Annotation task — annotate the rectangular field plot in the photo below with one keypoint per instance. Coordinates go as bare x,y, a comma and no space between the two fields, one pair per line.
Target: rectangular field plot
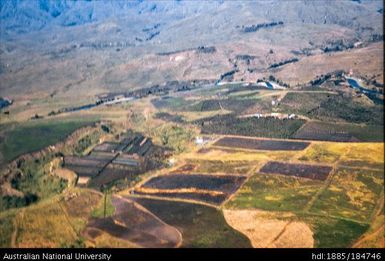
86,171
233,167
205,197
126,160
297,170
352,194
325,152
88,166
275,192
364,155
101,156
326,132
206,188
259,144
84,161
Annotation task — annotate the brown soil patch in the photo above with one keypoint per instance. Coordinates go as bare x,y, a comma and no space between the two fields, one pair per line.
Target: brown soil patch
265,231
133,223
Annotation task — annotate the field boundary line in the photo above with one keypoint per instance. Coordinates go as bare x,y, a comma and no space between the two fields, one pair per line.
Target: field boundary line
190,201
279,234
327,183
253,171
67,219
16,228
378,207
153,215
312,214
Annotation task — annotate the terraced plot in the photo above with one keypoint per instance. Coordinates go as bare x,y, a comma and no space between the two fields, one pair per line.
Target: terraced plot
106,146
207,188
87,166
297,170
260,144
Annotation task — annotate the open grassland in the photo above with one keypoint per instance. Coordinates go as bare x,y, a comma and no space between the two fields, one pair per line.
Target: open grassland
333,232
324,152
201,226
7,219
375,235
35,135
364,155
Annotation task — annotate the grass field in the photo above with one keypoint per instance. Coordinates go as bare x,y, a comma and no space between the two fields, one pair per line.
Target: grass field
35,135
324,152
333,232
275,192
6,227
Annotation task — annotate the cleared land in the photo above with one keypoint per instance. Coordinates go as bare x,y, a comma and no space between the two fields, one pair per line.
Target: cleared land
207,188
297,170
135,224
260,144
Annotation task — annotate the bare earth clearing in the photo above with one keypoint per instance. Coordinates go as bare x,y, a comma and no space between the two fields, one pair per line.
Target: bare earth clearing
134,223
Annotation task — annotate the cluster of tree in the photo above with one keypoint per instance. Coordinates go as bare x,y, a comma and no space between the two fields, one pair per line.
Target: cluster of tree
8,202
274,79
209,49
151,28
199,49
102,45
169,117
228,75
152,35
256,27
244,57
275,65
322,78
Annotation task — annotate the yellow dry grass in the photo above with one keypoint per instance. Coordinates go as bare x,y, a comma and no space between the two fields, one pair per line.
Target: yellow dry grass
363,61
55,222
369,152
266,231
181,190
